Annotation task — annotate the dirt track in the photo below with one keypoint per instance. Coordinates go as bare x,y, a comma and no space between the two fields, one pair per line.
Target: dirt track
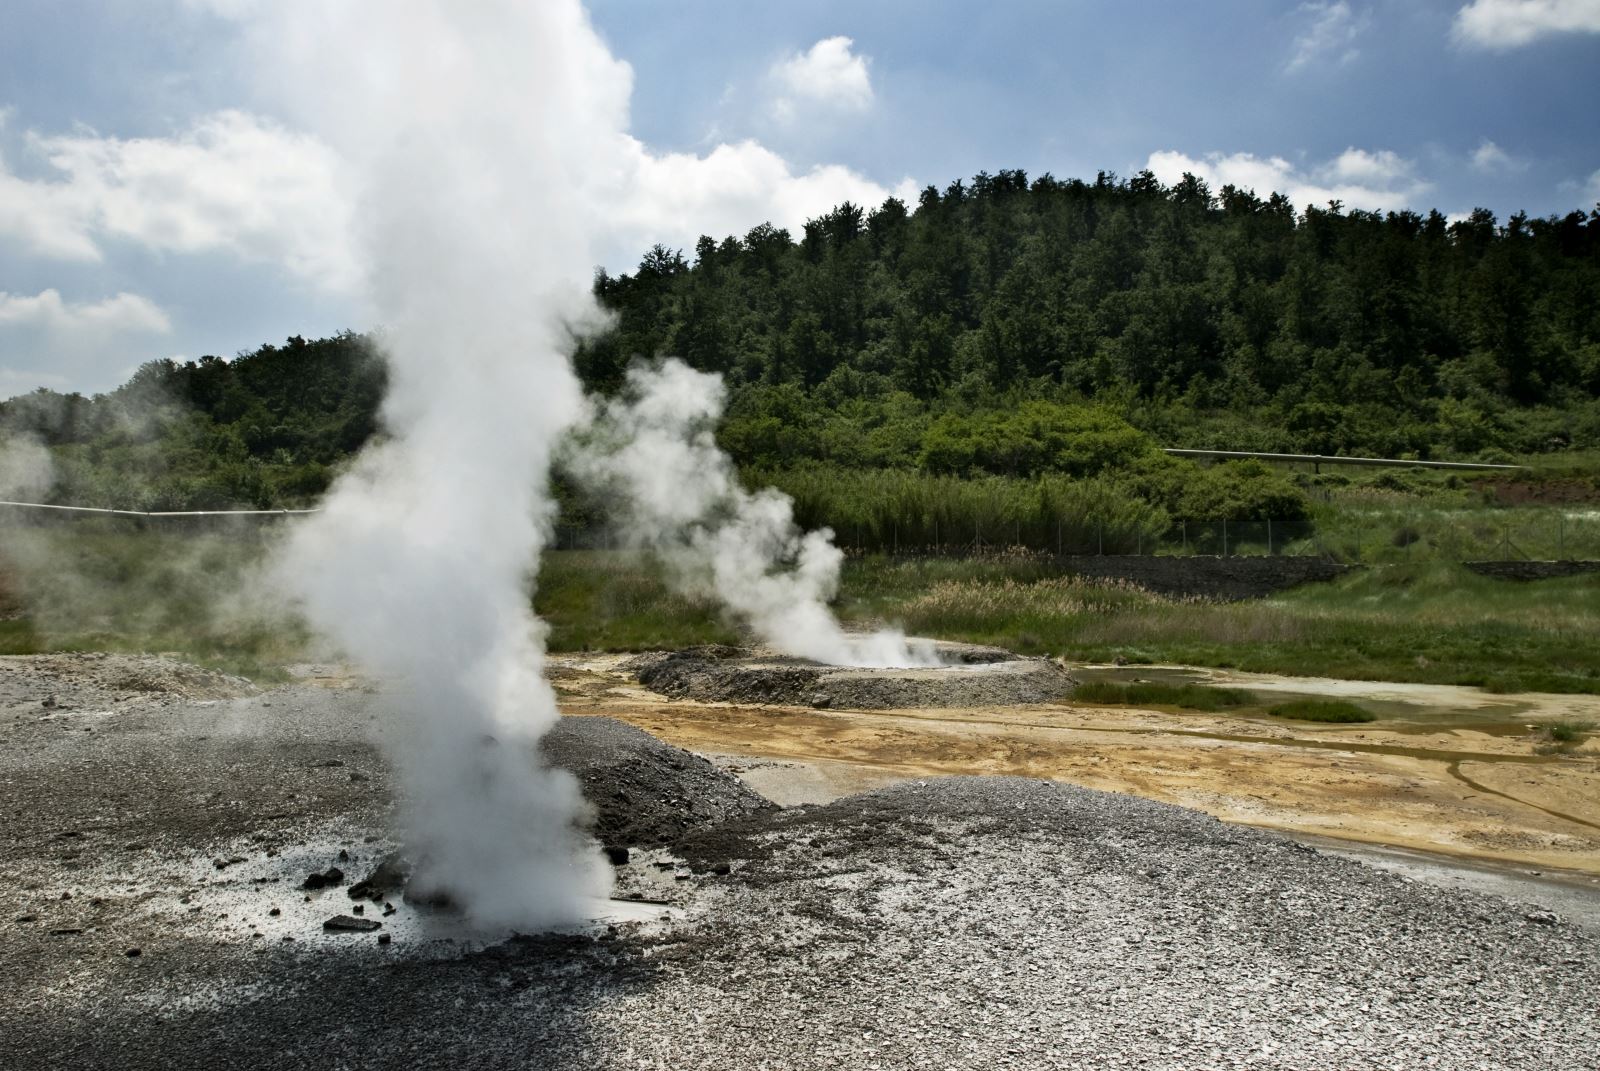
1474,792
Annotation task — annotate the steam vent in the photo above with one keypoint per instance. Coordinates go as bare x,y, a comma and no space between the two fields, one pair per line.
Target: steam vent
968,676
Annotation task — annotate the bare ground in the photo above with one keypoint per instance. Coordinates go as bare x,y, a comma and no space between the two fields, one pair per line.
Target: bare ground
952,922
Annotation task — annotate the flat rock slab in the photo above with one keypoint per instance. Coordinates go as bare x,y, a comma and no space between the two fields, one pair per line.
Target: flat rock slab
351,924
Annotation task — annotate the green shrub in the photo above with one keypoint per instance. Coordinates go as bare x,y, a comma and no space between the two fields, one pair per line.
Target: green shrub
1328,710
1152,693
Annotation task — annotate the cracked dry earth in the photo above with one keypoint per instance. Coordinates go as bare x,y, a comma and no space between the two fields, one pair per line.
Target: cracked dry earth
951,923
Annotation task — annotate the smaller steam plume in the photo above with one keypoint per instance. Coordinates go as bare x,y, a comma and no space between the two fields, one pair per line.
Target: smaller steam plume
650,453
26,470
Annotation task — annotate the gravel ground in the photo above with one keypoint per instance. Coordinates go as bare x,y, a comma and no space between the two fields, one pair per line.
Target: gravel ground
953,923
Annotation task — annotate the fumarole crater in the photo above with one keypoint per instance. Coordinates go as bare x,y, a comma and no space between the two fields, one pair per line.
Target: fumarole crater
967,676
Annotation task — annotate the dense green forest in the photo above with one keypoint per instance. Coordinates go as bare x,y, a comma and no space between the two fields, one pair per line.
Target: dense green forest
1039,340
1218,320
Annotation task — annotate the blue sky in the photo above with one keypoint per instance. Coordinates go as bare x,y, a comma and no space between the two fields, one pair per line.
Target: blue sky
155,200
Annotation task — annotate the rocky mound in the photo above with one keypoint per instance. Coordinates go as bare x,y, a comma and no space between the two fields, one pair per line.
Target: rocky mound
645,792
92,679
973,676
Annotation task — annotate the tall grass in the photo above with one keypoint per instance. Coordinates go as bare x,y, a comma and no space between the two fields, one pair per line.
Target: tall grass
1433,622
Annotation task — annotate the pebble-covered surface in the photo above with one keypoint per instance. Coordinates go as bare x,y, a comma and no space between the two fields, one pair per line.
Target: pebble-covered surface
957,923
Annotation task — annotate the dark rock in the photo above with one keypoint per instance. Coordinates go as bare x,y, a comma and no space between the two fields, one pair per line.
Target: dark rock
132,953
275,912
434,901
389,876
821,701
384,938
616,854
66,931
359,909
1543,918
332,876
351,924
27,918
722,868
344,856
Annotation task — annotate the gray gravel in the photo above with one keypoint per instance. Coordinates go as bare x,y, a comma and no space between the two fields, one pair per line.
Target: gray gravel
955,923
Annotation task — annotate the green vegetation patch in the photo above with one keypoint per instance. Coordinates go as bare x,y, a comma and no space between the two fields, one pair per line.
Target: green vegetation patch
1330,710
1155,694
619,601
1569,732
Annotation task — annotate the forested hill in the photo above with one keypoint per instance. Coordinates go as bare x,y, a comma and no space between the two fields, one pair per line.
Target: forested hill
1000,327
1209,318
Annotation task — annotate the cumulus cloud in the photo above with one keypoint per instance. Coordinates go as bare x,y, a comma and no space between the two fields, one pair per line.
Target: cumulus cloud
675,197
828,75
48,340
1377,181
232,182
46,310
1332,29
1490,159
1506,24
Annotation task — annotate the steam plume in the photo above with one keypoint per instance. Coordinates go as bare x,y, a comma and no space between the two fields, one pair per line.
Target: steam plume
650,453
475,132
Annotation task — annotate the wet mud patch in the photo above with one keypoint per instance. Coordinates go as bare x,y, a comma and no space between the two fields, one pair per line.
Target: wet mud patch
969,676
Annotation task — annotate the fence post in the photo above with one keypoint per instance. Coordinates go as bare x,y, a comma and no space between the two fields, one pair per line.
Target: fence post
1269,537
1184,527
1224,537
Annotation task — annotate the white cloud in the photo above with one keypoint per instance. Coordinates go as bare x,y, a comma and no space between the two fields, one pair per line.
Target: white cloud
232,182
828,74
1376,181
48,340
1505,24
115,315
675,197
1334,27
1490,159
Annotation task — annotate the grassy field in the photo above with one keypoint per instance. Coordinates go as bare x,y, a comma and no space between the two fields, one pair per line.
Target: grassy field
1431,622
110,587
120,589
